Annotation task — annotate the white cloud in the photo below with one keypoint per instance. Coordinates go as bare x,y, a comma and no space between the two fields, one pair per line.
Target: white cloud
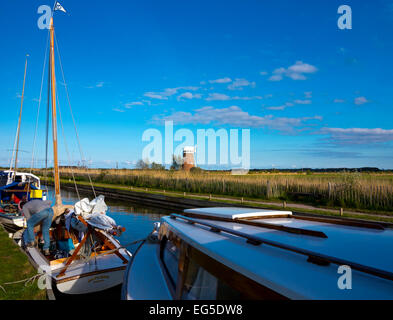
222,80
276,77
235,116
308,94
168,92
192,88
356,136
264,73
338,101
238,84
128,105
224,97
97,85
298,101
218,96
156,96
296,76
294,72
361,100
283,107
300,67
247,98
277,108
290,104
118,110
189,95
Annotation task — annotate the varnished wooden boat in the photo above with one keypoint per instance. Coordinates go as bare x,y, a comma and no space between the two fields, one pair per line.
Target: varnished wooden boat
103,266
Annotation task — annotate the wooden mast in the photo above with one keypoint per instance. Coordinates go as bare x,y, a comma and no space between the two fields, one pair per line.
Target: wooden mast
20,117
54,116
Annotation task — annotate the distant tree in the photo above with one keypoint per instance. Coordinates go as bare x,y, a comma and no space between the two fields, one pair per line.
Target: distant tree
142,164
157,166
177,162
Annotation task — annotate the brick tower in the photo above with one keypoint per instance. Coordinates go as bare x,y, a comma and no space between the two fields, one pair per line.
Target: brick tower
188,158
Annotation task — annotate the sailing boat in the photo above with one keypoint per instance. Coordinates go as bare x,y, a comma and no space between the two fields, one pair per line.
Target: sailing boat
16,186
89,259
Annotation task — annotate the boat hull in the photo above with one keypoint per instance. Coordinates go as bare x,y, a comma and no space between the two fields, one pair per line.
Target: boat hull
12,224
91,283
98,274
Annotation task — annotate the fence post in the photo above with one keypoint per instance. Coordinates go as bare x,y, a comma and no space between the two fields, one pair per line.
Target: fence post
284,204
341,212
242,200
210,196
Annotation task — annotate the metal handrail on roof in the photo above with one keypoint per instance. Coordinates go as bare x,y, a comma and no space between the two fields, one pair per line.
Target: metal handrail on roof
250,221
380,225
314,257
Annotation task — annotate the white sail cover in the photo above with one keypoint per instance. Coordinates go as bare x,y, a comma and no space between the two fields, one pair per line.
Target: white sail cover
102,221
86,208
94,212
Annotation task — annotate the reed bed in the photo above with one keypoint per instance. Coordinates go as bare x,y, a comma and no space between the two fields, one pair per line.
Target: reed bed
371,191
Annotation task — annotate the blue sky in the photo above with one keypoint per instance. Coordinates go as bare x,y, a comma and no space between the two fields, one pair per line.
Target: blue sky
311,94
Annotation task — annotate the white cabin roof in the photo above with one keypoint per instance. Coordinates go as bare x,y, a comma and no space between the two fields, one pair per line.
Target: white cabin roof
234,212
21,174
288,272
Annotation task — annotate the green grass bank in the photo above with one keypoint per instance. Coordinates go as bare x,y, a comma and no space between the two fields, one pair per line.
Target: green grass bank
15,266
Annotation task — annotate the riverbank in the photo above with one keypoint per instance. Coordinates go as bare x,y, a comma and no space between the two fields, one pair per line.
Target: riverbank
15,266
179,201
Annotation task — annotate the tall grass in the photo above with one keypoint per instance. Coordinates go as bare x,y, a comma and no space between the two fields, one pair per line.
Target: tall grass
372,191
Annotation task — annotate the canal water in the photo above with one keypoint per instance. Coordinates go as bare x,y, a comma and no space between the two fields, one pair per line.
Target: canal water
137,219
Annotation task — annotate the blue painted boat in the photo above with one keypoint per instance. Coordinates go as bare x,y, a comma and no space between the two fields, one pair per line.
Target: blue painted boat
14,186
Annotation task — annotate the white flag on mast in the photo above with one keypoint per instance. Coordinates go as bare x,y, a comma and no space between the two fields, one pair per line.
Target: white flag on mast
59,7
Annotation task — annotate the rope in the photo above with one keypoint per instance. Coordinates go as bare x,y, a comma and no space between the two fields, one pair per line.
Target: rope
66,147
13,150
72,114
114,250
28,281
47,124
16,141
94,248
39,104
